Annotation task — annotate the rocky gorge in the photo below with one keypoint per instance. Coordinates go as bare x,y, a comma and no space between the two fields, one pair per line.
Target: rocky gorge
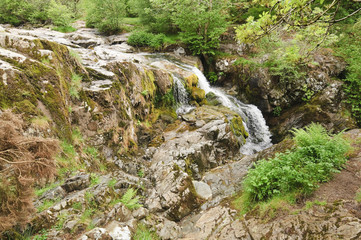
117,107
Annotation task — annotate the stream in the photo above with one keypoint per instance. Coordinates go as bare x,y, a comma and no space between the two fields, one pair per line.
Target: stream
253,121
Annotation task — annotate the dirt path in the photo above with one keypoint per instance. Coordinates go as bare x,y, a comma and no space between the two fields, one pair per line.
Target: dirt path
345,184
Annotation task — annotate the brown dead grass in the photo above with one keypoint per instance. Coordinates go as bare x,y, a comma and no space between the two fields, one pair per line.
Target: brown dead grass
24,161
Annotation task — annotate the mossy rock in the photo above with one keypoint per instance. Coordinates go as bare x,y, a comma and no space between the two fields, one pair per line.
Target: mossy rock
169,115
198,94
237,127
212,99
192,81
148,83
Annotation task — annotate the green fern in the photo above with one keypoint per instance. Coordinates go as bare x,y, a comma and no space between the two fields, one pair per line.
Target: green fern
130,200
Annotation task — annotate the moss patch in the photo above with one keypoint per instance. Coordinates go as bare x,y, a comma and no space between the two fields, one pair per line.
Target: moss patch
237,127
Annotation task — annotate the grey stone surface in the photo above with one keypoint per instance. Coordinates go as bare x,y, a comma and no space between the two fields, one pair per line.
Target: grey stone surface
77,182
202,189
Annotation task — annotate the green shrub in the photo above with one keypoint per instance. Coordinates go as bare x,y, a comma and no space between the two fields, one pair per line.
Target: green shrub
314,160
17,12
277,111
349,48
286,63
59,14
146,39
106,15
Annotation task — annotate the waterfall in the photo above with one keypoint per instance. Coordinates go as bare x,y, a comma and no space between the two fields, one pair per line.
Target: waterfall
259,135
253,121
181,96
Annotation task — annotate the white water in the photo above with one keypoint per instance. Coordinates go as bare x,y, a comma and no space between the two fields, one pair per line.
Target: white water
181,96
253,121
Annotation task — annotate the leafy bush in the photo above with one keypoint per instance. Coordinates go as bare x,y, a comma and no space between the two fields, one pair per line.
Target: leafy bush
17,12
286,63
349,48
155,16
314,160
59,14
106,15
145,39
201,26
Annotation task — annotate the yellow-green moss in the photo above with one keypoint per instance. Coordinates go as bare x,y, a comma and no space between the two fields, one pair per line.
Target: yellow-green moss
237,127
191,81
27,107
148,82
198,94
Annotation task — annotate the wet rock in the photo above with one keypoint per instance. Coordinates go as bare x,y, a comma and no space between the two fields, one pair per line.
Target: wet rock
77,182
212,99
118,39
320,222
70,225
327,108
86,37
224,65
233,231
119,213
163,81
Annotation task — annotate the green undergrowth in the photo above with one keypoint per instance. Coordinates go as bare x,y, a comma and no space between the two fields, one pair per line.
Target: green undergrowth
143,38
296,173
41,191
46,204
144,233
76,155
129,199
349,48
146,39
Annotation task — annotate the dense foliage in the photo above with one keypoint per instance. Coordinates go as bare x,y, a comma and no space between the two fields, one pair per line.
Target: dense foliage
314,160
317,16
18,12
200,23
143,39
106,15
349,48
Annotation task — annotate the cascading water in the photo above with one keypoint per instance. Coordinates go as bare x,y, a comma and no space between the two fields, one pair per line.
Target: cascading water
259,135
181,96
254,123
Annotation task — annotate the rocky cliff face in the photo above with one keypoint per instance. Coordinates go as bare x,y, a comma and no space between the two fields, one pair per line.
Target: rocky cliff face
115,108
316,96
